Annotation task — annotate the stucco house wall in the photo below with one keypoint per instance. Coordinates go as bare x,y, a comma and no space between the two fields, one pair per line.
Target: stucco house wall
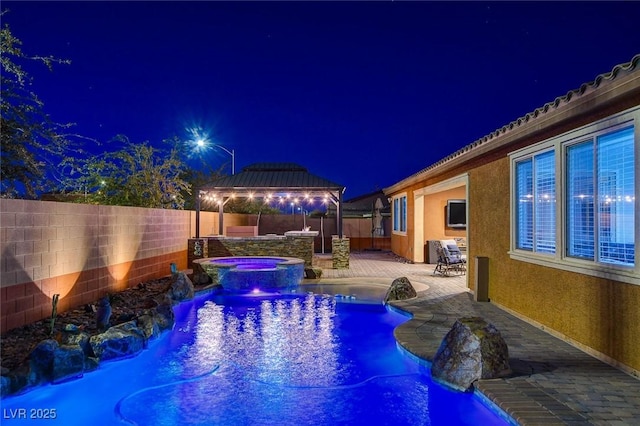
402,243
594,313
595,308
434,215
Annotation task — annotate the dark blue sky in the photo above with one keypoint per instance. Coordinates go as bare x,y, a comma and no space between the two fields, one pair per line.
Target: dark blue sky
361,93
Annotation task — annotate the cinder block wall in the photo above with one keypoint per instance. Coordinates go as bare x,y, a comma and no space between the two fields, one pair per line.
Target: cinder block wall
81,252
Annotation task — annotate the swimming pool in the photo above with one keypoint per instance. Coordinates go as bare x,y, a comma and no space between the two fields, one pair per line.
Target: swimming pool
262,360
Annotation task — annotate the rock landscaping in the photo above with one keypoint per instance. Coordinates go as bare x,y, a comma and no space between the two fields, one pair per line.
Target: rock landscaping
117,326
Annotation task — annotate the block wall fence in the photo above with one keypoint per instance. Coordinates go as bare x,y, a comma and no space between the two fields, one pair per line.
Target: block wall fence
83,252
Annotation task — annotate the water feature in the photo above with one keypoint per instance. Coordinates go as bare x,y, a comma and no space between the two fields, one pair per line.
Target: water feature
262,359
250,273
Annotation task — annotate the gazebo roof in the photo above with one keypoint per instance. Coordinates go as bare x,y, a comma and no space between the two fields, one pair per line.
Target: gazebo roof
270,181
263,179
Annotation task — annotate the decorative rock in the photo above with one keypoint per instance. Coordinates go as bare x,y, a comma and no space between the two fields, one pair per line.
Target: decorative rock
71,328
126,317
149,303
5,385
80,339
91,363
5,382
103,313
200,277
312,272
41,360
35,370
120,341
148,326
22,377
473,349
74,352
400,289
163,315
181,287
68,363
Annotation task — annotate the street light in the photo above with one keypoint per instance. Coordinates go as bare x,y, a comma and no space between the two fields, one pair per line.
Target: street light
202,141
232,153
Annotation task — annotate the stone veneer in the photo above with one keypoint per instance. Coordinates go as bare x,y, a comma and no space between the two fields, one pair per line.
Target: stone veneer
340,251
267,245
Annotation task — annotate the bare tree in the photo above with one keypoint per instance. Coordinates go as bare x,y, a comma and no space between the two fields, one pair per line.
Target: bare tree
32,144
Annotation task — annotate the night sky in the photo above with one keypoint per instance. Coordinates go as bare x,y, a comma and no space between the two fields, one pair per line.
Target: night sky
361,93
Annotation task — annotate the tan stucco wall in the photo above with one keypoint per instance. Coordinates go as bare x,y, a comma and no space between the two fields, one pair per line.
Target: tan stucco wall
434,214
601,314
402,245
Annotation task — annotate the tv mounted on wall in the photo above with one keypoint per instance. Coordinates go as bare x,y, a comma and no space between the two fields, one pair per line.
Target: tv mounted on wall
456,213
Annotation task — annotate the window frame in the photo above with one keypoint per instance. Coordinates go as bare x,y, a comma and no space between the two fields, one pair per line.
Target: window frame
399,210
560,144
532,156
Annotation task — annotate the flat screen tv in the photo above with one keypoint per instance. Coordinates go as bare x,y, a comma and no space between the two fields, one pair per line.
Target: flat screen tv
456,213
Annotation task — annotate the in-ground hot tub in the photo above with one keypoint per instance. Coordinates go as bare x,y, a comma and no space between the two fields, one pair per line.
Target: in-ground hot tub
250,273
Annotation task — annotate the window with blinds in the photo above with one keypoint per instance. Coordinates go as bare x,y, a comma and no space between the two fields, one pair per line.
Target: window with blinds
573,200
536,199
601,198
400,214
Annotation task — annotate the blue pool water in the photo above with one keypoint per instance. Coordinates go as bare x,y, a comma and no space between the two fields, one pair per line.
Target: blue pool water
261,360
251,262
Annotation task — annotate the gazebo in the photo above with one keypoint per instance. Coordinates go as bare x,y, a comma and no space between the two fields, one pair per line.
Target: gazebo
270,182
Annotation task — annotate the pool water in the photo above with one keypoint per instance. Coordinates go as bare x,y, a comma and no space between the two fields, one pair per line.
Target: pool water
262,360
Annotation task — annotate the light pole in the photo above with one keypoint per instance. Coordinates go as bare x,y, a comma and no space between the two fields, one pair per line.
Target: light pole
203,142
232,153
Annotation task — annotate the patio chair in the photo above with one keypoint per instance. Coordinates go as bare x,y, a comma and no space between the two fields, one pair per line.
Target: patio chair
450,258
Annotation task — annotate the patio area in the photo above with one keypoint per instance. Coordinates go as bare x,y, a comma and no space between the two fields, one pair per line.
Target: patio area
552,383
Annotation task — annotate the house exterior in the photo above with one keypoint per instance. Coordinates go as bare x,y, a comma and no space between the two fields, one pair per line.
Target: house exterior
551,225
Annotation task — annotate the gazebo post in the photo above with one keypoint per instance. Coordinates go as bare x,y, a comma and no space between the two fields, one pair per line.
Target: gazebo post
197,195
221,217
339,211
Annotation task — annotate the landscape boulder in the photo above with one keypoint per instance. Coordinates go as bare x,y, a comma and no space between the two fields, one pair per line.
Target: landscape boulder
152,322
200,277
77,337
68,363
400,289
473,349
5,383
163,314
312,272
36,369
148,325
41,361
119,341
181,287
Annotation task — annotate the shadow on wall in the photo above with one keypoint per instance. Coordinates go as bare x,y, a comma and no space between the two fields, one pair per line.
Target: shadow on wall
30,298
